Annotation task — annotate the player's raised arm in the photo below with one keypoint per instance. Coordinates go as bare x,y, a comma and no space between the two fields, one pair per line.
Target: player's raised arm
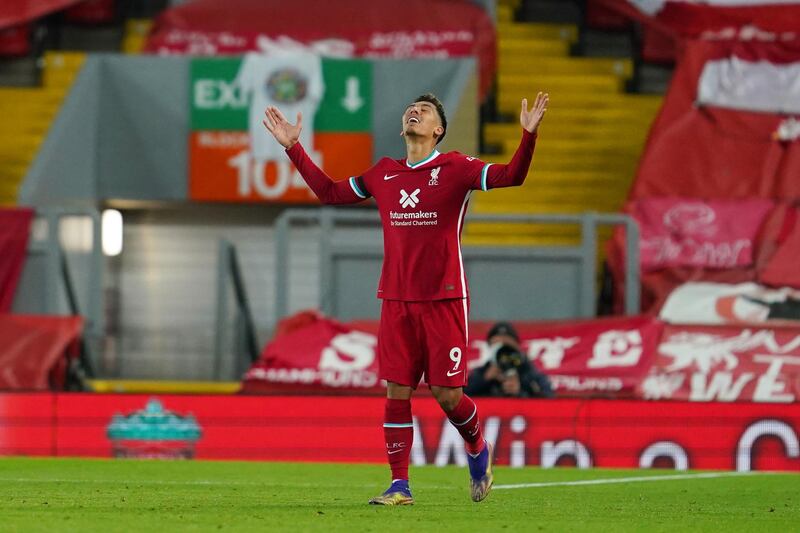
327,190
514,173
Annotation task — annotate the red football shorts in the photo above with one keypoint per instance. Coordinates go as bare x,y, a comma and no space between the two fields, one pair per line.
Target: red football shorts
424,338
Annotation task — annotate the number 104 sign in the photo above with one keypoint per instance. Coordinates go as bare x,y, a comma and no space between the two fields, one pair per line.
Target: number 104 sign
233,158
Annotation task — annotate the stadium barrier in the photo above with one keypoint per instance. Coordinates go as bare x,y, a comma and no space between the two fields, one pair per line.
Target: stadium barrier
546,433
503,277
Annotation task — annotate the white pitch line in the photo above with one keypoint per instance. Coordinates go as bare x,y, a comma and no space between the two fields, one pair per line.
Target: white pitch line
638,479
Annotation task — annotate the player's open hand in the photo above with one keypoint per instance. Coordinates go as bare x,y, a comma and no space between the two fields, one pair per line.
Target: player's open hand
530,120
285,133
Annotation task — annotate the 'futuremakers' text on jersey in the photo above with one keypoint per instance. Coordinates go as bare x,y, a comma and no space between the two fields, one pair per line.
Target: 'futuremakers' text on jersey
418,218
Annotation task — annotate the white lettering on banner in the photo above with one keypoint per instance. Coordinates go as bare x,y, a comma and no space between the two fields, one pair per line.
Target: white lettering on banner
551,452
550,352
664,448
223,139
721,386
217,94
691,218
718,255
768,386
578,383
451,444
705,351
616,348
661,386
349,351
309,376
517,456
762,428
701,350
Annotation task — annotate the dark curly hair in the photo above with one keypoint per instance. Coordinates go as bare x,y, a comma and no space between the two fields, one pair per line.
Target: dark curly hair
431,98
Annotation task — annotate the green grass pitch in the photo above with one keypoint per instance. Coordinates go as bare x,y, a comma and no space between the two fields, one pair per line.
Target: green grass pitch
163,496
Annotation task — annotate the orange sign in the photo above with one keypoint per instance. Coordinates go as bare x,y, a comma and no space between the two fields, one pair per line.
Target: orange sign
222,169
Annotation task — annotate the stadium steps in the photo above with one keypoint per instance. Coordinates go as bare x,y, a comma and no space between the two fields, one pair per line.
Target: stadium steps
505,9
590,143
27,114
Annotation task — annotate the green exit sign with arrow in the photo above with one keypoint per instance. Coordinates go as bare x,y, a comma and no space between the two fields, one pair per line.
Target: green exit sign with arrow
219,105
347,104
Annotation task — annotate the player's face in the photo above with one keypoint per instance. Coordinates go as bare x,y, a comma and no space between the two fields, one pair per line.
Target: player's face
421,119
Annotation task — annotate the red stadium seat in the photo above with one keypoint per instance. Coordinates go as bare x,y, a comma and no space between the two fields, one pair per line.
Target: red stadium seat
15,41
599,17
92,12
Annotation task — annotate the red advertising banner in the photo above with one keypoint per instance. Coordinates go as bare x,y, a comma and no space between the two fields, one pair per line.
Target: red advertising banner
584,433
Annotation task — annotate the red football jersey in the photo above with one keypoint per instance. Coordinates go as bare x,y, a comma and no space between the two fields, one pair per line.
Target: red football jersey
422,208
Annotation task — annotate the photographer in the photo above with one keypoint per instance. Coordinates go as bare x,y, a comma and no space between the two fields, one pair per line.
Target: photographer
508,372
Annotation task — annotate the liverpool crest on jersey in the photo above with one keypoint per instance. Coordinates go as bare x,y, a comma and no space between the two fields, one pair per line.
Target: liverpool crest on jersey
434,176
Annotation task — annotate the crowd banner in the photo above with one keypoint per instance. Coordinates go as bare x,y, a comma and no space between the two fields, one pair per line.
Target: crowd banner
420,29
14,231
622,357
546,433
714,19
726,364
678,232
14,13
311,352
34,350
723,303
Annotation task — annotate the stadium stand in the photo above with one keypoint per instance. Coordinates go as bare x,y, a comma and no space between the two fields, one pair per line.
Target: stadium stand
27,114
591,142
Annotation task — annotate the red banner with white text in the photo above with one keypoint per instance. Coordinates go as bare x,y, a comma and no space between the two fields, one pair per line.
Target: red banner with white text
726,364
312,353
545,433
621,357
677,232
385,29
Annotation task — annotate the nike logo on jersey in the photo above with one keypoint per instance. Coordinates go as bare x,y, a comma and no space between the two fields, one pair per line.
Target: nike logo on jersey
387,178
394,451
450,373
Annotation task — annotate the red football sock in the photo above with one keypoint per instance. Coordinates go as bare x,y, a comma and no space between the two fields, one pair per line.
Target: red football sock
398,430
465,419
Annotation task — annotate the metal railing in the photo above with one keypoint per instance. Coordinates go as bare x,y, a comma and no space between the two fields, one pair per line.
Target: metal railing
58,281
245,341
585,253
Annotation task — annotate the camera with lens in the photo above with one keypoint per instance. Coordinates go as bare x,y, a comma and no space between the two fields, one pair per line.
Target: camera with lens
509,359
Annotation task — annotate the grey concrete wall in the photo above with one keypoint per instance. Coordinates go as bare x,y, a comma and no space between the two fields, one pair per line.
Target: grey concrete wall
122,132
